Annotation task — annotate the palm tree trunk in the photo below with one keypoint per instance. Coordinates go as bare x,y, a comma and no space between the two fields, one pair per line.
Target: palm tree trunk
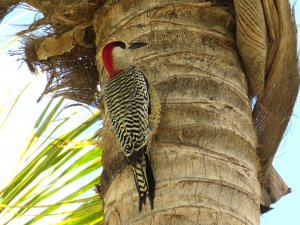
204,158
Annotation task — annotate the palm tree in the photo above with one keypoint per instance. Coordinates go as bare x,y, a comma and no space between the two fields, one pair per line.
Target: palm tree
212,157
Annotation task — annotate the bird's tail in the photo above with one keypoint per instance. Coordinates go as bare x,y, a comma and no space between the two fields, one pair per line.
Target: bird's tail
144,178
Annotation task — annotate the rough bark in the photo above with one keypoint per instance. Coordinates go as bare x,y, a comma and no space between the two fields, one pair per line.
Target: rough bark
204,157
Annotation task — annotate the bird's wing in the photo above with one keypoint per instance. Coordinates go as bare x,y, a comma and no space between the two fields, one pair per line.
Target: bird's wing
127,100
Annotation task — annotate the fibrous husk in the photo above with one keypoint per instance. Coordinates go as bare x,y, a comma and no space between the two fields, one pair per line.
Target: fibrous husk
272,189
266,37
72,74
274,108
55,45
65,50
252,42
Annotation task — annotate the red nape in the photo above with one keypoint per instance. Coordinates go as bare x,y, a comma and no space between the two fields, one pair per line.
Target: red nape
107,59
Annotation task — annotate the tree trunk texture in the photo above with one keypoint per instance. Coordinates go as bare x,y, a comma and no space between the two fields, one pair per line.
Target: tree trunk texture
204,155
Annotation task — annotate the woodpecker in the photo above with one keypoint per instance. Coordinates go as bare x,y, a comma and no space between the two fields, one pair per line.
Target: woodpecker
134,110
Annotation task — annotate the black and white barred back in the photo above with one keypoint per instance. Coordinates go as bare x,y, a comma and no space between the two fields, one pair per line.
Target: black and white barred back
128,103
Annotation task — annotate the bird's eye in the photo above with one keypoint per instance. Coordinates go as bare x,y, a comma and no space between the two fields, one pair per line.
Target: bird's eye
120,44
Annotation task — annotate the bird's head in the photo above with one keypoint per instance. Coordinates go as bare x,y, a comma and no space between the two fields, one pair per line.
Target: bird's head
116,56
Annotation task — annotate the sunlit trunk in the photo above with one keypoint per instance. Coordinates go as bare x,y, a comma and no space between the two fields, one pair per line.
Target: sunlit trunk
204,157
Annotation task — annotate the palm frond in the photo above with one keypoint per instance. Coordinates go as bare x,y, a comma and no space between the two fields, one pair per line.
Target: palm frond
58,169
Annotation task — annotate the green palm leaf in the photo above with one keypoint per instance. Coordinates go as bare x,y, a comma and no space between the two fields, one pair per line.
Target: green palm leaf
55,173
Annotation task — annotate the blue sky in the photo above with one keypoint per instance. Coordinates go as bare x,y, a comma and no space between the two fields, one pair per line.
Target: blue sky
13,78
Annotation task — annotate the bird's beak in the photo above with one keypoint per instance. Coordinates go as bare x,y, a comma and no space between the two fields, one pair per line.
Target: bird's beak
136,45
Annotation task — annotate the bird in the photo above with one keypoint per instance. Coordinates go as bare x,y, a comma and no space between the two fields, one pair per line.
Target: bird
134,111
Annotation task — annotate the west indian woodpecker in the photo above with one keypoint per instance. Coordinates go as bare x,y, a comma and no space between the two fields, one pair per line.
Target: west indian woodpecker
134,110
